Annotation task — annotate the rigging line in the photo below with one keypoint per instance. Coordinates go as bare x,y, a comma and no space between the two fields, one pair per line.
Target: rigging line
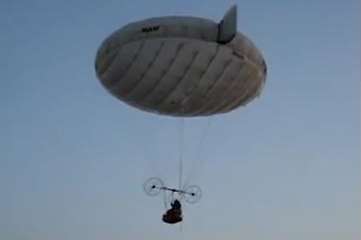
199,149
165,201
181,227
181,146
203,139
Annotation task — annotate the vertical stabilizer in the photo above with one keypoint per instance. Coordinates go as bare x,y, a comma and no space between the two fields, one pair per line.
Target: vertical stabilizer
227,28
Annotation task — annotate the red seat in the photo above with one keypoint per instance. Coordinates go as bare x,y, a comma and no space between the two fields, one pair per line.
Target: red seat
172,216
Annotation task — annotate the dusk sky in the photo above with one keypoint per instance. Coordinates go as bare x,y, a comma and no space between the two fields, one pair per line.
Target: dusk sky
73,158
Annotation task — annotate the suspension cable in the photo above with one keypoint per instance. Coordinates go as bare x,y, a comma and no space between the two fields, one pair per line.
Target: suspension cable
199,150
181,149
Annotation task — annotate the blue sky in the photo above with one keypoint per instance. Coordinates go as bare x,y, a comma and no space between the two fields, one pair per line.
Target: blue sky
73,158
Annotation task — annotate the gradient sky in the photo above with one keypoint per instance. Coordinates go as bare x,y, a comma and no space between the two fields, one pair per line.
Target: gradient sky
73,158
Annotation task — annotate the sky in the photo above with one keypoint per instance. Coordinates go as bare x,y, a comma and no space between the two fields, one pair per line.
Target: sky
73,158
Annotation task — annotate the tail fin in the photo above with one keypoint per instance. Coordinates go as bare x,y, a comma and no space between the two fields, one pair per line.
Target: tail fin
227,28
